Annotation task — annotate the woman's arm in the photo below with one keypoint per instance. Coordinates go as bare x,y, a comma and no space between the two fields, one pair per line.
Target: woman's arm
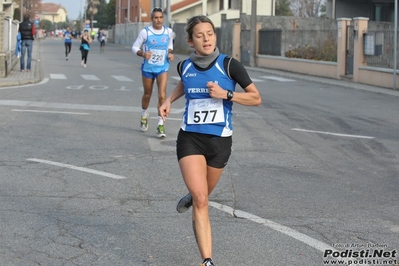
250,96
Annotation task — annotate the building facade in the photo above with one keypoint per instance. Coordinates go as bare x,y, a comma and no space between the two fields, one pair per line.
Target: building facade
375,10
132,11
7,7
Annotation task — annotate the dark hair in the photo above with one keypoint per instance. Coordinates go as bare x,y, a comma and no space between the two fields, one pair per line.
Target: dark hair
194,21
26,16
156,9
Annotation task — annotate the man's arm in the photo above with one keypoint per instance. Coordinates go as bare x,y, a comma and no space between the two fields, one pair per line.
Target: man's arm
34,31
171,37
141,38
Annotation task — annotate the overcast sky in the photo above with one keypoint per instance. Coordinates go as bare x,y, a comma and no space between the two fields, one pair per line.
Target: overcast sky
73,7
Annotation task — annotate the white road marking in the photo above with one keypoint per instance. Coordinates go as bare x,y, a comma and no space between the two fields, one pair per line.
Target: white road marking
83,169
122,78
257,80
333,134
314,243
111,108
278,79
90,77
253,79
54,112
58,76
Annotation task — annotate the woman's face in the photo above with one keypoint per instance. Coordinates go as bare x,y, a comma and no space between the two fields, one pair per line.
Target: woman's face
203,39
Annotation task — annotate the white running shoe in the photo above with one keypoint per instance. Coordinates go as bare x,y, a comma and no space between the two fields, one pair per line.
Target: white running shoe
144,122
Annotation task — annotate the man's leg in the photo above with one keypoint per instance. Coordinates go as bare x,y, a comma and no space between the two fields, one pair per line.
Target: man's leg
22,58
148,82
162,80
29,44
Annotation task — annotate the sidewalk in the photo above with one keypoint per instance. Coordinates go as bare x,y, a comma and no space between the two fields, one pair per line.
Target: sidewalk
17,78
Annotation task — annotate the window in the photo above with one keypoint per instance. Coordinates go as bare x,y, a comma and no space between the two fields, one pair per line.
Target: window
383,12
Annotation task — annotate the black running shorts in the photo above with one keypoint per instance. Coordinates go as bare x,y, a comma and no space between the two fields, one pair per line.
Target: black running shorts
215,149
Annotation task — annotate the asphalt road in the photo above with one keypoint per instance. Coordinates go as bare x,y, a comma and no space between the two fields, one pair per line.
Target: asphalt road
314,171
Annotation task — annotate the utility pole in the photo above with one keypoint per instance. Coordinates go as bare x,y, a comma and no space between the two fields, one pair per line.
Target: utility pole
395,45
21,8
252,54
168,15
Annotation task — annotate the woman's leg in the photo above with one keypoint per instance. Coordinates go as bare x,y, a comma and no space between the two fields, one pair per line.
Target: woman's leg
200,180
86,55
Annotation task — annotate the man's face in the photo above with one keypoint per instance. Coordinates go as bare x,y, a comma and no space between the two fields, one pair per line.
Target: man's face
157,20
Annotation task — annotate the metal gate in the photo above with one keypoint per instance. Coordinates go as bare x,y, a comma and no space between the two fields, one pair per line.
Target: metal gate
245,47
350,44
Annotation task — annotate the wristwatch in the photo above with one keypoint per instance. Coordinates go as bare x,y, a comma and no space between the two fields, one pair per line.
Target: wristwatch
230,95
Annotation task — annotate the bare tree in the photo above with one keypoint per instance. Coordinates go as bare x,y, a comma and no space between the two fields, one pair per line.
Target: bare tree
307,8
32,7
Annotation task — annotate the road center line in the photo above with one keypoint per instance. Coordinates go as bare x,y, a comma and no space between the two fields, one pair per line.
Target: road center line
334,134
52,112
83,169
314,243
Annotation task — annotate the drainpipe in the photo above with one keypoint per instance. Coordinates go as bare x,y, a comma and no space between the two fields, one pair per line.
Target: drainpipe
252,59
128,9
9,40
119,11
272,10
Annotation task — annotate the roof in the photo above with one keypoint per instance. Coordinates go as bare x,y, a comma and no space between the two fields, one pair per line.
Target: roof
51,8
183,4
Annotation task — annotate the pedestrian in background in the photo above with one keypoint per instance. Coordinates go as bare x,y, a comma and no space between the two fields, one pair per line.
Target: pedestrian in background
85,46
155,45
101,39
203,146
28,33
67,42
